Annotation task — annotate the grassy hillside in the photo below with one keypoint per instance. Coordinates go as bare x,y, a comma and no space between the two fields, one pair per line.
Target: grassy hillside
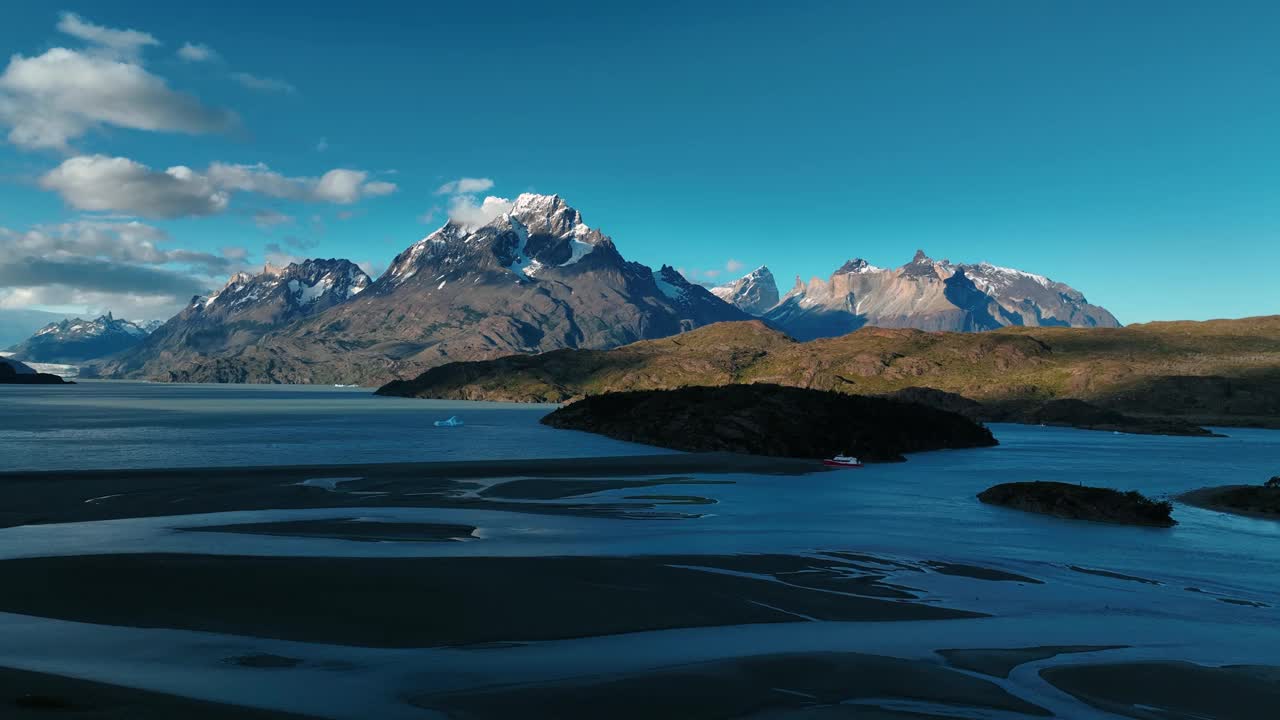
1214,372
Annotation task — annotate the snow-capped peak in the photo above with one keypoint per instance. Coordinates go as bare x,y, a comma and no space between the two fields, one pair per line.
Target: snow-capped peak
858,266
304,283
753,293
107,324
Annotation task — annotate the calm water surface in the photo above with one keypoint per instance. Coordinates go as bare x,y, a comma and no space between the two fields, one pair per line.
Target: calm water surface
110,424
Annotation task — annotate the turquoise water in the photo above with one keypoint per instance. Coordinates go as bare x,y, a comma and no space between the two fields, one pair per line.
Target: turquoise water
97,424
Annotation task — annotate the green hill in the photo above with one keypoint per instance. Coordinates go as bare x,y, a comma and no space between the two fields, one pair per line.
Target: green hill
1214,372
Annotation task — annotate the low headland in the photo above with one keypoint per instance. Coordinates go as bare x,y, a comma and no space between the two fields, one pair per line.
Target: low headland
772,420
1163,378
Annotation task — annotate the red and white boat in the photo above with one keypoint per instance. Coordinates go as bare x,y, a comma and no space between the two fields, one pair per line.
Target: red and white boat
847,461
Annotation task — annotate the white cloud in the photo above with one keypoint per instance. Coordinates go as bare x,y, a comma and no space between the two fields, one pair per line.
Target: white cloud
465,210
92,303
50,99
116,184
96,265
465,185
271,218
263,84
124,242
101,183
122,42
378,188
342,186
713,274
235,253
734,266
197,52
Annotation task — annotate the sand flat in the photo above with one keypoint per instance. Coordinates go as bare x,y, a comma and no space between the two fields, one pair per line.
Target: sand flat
768,685
26,695
421,602
28,498
1161,690
999,662
349,529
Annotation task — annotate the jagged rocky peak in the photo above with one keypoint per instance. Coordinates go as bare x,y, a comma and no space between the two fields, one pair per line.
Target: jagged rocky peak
535,233
857,266
305,283
754,293
546,215
922,267
931,295
77,340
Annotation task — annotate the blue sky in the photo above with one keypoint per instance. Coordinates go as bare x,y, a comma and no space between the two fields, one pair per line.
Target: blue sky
1126,148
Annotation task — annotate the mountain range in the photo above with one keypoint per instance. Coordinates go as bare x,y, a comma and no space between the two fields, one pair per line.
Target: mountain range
247,308
925,294
77,340
532,279
537,278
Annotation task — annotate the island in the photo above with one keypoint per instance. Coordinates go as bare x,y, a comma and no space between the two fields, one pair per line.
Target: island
772,420
1251,500
1080,502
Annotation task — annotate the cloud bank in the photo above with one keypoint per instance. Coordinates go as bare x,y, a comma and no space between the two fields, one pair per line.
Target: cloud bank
115,184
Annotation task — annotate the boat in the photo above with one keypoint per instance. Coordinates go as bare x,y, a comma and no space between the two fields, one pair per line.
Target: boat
453,421
847,461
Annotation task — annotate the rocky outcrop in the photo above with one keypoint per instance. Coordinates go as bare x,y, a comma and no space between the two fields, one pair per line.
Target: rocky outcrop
1080,502
771,420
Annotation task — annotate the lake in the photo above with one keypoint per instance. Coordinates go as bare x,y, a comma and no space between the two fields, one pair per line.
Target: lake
1204,591
110,424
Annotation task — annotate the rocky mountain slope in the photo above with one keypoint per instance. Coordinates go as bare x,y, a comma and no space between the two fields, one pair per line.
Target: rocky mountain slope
77,340
238,315
930,295
533,279
754,293
1217,372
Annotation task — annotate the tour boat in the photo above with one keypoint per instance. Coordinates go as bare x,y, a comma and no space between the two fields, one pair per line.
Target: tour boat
843,461
451,422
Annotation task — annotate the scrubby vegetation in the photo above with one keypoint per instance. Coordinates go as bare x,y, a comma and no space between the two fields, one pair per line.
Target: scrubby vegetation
1081,502
771,420
1217,372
